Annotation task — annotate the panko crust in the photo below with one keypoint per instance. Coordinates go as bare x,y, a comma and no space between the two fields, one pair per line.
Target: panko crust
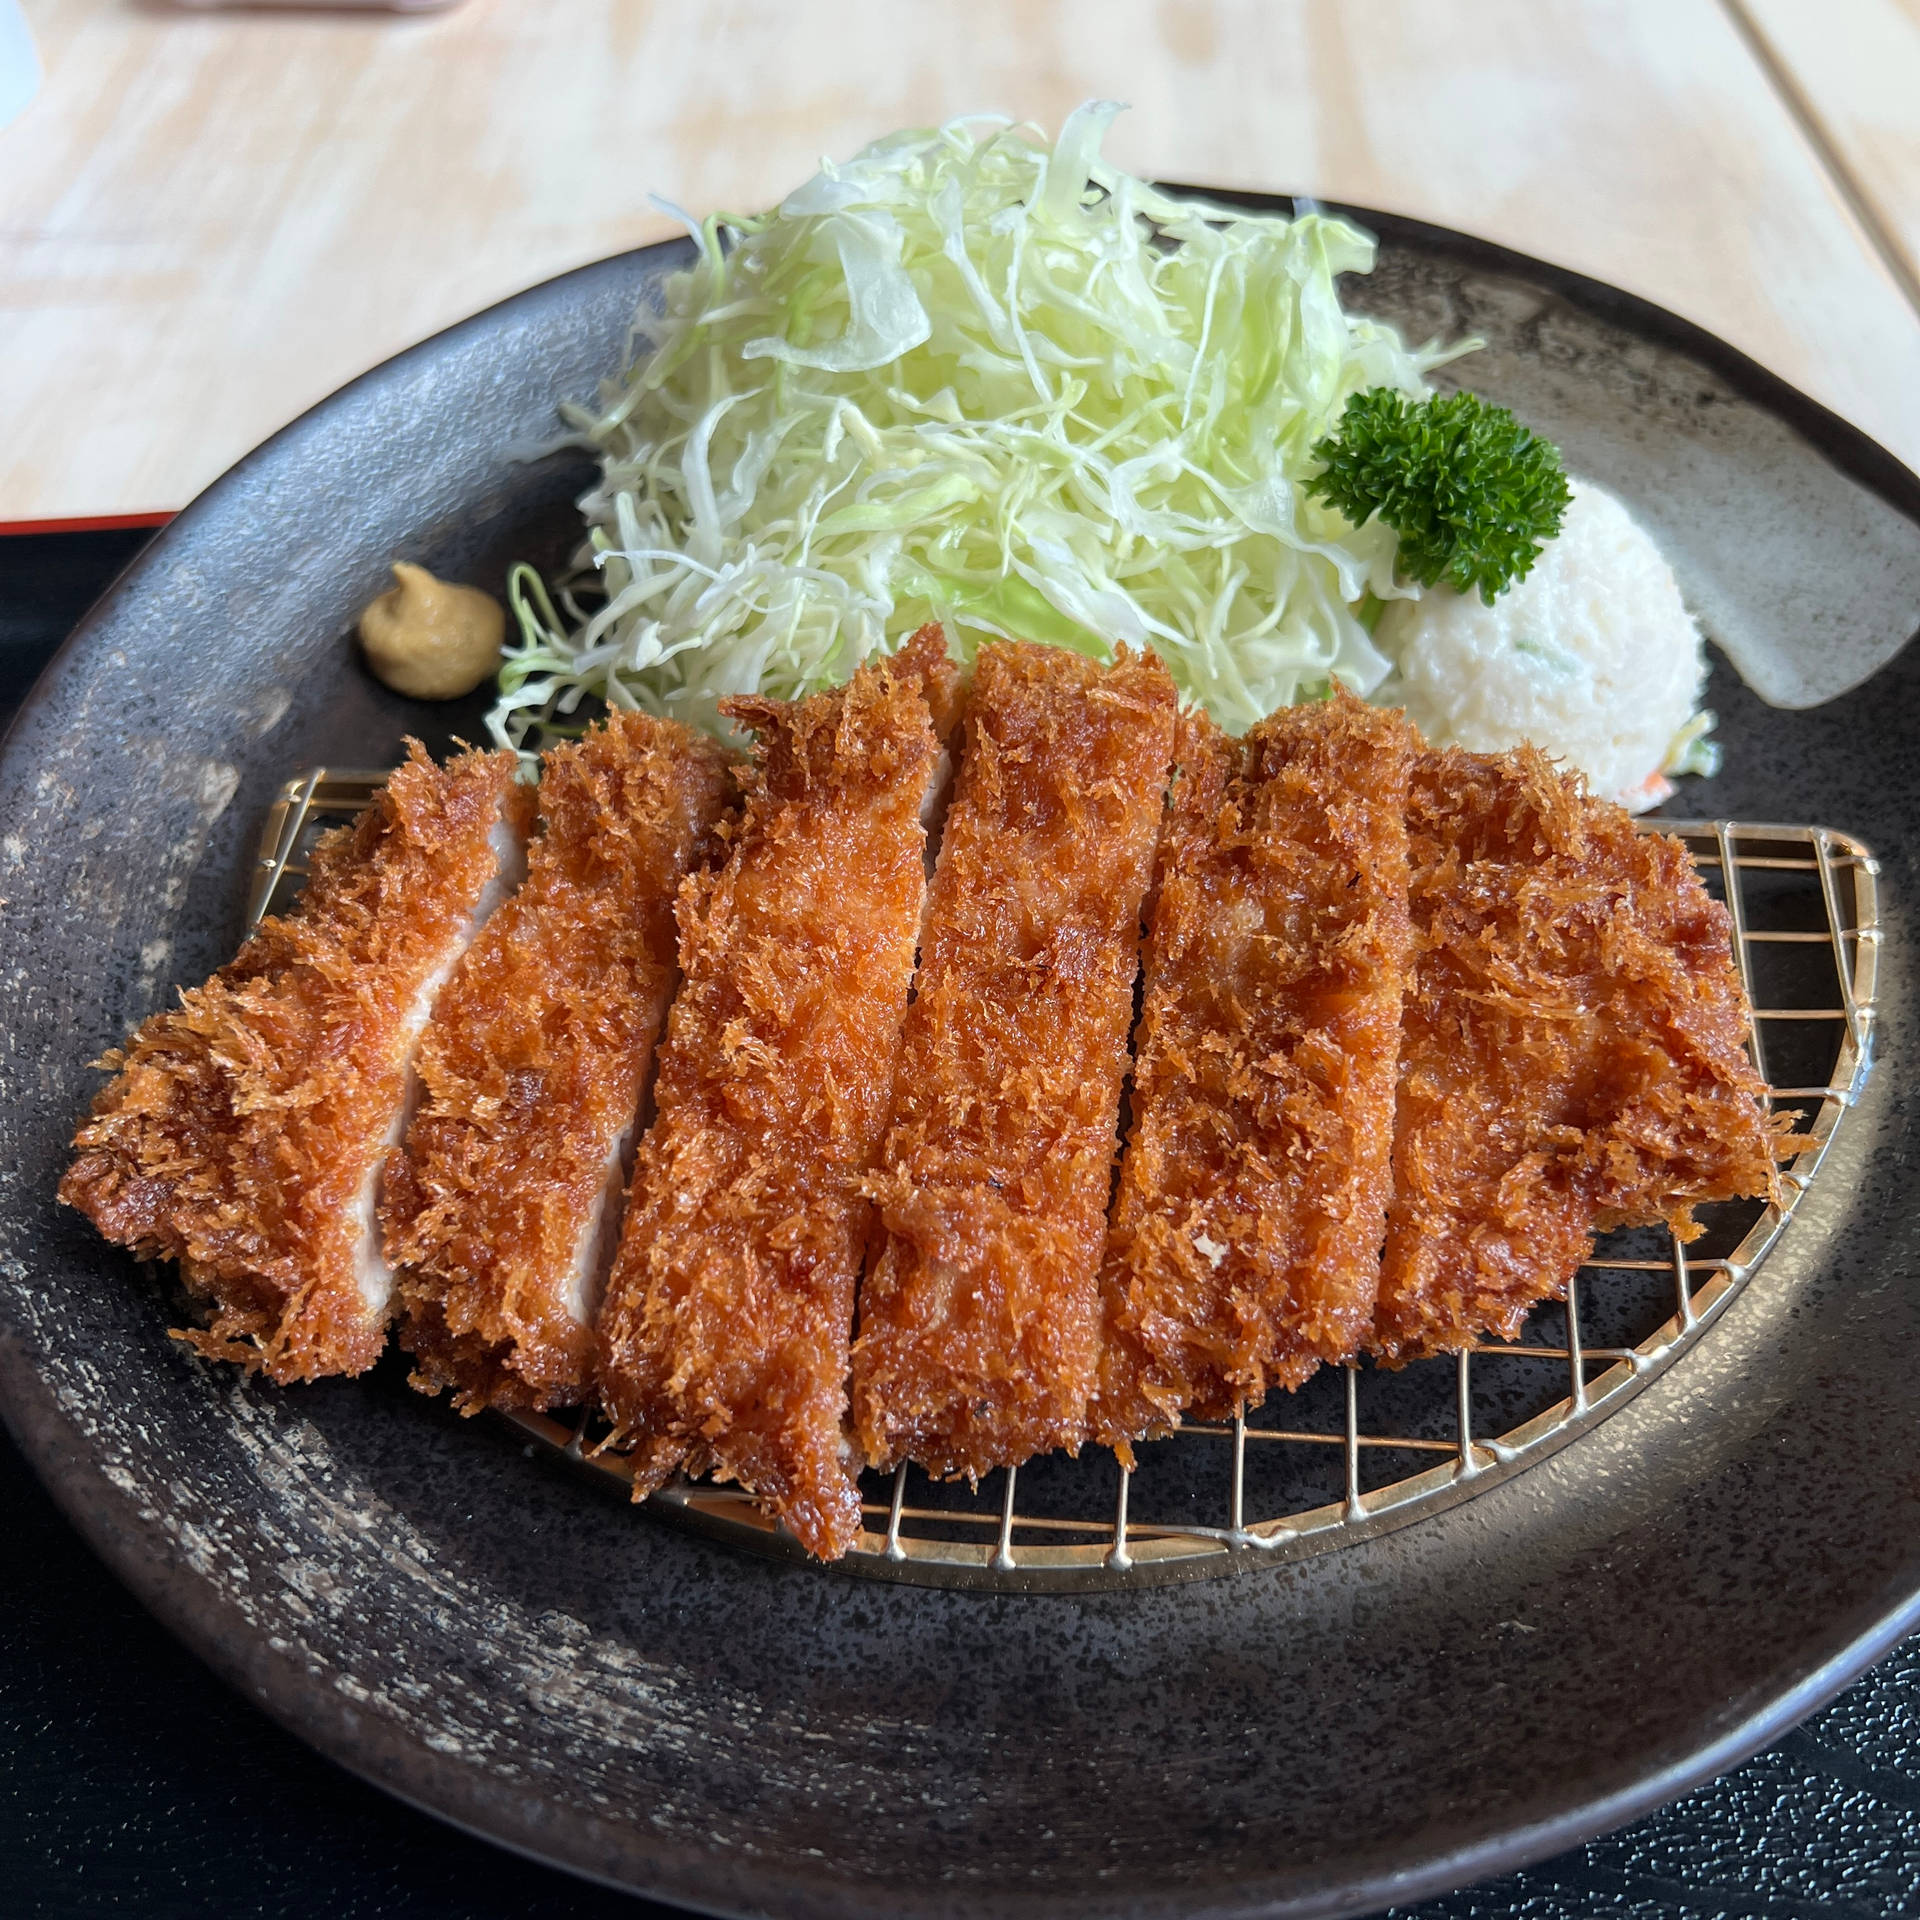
1244,1246
979,1316
534,1064
925,654
724,1333
240,1127
1572,1054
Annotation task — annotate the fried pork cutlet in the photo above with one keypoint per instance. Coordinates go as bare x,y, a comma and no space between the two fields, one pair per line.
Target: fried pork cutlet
1244,1247
723,1337
979,1317
1572,1051
925,654
503,1209
244,1133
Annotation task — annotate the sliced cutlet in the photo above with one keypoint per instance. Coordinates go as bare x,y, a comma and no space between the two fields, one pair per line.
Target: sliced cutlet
979,1316
723,1336
1572,1054
1244,1248
502,1210
245,1130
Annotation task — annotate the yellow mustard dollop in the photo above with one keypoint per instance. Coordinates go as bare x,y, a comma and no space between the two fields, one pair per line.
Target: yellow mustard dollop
430,639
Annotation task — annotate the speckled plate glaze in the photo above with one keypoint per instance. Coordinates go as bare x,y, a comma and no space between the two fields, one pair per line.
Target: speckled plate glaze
504,1645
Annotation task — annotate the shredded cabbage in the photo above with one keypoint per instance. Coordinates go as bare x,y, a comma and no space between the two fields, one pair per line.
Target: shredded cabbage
969,377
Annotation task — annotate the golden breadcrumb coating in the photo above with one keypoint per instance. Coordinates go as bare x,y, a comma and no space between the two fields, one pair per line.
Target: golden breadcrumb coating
504,1203
243,1133
925,653
979,1319
1572,1054
1245,1241
723,1337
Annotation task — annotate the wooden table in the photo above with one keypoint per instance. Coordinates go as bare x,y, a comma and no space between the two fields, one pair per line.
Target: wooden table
208,221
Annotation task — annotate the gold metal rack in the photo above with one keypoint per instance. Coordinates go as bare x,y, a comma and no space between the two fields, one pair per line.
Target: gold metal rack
1357,1451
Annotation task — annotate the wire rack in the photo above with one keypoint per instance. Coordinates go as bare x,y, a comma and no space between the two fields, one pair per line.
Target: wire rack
1358,1450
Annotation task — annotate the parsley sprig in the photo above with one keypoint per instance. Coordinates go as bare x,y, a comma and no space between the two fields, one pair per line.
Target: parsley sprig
1472,493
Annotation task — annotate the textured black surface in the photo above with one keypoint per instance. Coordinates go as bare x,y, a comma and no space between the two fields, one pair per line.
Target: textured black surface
133,1782
458,1623
47,581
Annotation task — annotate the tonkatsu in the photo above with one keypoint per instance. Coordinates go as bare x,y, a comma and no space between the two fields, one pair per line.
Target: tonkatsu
1411,1027
244,1132
502,1210
1572,1052
1245,1238
979,1313
725,1328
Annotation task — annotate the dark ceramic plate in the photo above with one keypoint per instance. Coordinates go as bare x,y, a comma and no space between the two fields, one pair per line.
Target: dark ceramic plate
495,1641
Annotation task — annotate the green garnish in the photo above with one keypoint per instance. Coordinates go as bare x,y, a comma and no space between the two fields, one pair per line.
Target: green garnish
973,377
1472,493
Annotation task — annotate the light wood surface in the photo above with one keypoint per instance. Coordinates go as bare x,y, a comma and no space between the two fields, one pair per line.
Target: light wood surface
209,221
1853,72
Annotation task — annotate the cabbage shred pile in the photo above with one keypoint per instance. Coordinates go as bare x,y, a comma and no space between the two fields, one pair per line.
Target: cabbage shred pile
971,378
